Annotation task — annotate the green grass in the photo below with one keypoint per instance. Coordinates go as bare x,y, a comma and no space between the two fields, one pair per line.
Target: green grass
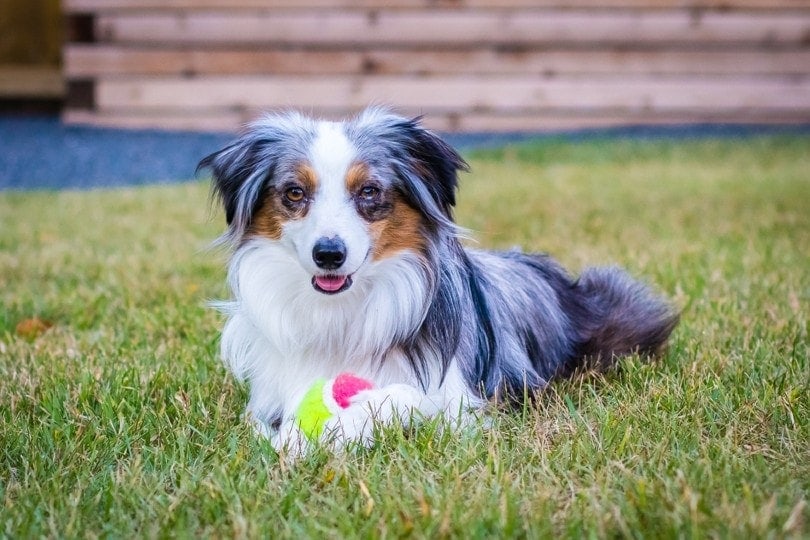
120,420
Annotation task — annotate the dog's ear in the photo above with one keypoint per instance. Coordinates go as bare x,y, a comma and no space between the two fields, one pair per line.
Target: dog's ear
436,162
239,172
245,170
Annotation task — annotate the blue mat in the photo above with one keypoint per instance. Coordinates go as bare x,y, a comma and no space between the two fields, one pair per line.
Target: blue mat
43,153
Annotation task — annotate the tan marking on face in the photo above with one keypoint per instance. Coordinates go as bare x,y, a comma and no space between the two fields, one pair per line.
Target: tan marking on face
399,231
274,211
307,177
268,219
356,177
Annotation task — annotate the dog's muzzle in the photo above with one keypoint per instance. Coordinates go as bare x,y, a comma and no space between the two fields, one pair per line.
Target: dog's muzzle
329,253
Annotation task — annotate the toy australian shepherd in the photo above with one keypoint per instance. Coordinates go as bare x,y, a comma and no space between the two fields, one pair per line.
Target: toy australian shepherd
346,258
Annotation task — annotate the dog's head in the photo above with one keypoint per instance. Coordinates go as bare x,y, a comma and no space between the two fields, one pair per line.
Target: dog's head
337,196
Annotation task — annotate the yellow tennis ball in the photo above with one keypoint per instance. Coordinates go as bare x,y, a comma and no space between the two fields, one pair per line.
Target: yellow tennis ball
312,412
326,398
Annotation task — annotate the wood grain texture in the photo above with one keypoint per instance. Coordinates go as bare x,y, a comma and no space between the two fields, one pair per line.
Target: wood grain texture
138,5
457,28
82,60
230,121
460,93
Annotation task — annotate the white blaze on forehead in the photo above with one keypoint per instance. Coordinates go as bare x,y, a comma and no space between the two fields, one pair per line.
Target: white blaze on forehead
331,155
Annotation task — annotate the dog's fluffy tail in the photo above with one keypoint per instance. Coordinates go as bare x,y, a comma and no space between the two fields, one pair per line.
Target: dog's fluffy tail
618,316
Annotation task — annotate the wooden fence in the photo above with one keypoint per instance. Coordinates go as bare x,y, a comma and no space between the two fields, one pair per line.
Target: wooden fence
481,65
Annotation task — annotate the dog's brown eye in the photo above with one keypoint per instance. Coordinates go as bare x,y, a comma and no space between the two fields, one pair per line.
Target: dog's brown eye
369,193
294,194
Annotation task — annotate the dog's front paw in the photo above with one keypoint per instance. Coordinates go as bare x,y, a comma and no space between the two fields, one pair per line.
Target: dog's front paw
396,403
353,425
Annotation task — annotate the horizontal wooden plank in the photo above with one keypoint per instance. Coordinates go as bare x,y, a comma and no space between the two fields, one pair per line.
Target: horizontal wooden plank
230,121
84,6
90,61
31,82
456,28
87,60
533,122
502,93
216,120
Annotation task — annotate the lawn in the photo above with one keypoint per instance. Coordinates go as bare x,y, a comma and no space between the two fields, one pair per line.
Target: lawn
118,420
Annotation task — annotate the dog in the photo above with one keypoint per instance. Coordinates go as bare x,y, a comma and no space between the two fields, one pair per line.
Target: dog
346,258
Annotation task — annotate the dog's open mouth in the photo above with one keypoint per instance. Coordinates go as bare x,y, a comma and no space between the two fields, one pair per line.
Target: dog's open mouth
331,284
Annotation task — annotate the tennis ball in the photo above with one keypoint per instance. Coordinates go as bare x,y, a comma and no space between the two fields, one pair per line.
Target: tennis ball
326,398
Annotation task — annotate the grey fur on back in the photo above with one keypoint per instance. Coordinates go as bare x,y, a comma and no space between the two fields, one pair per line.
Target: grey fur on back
527,321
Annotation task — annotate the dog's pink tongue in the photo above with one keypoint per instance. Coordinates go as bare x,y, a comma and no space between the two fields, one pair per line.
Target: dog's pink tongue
330,283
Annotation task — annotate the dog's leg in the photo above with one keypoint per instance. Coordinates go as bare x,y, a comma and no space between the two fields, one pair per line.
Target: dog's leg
395,403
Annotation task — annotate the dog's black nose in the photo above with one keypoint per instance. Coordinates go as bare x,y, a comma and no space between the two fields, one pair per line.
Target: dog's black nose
329,253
